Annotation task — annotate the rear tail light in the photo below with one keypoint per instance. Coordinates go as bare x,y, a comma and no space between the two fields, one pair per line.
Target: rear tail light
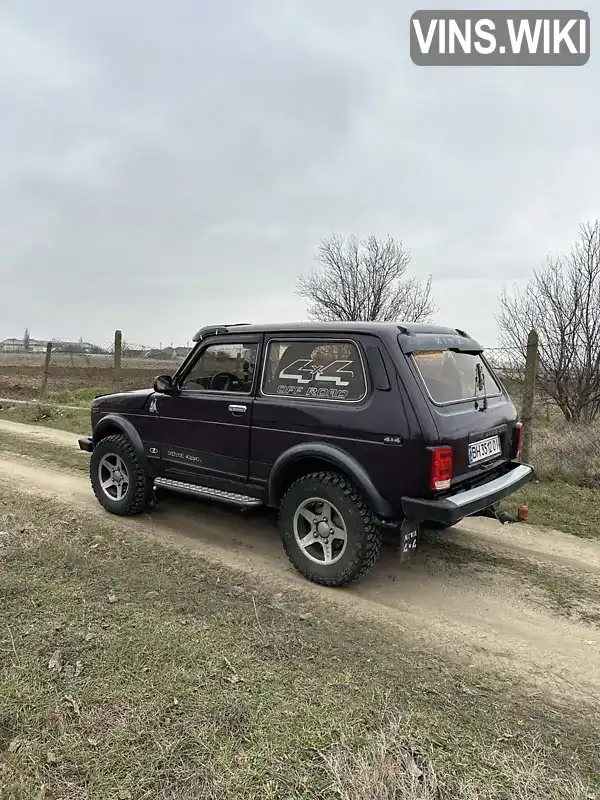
441,469
517,440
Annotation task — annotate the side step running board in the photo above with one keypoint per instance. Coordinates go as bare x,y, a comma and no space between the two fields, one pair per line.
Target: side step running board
204,491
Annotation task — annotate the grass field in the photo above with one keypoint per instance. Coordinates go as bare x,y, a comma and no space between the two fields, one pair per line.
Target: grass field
560,505
24,382
133,670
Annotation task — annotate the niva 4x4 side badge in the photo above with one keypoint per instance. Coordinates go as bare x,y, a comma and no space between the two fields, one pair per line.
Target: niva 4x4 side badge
397,440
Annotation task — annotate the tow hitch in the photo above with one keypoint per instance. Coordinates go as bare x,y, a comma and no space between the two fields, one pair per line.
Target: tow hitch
503,516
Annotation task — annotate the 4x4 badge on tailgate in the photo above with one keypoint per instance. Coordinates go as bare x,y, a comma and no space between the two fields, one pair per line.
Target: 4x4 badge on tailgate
393,440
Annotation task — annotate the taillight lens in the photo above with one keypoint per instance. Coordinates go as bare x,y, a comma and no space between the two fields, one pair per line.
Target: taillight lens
441,469
517,440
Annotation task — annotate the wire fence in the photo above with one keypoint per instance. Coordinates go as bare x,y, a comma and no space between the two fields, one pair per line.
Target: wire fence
69,372
27,372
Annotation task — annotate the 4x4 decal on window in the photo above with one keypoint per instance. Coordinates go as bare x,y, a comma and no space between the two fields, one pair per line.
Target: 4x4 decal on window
312,391
305,370
318,370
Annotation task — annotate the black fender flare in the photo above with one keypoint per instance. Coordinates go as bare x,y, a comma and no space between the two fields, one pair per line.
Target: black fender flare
337,458
124,426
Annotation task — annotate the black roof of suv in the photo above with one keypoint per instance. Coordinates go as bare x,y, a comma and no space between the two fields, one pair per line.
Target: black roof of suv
328,327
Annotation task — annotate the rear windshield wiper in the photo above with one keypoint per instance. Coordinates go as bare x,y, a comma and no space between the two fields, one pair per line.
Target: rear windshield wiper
480,387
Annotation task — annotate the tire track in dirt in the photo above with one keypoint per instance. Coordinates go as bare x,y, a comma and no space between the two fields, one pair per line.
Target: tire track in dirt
475,615
530,542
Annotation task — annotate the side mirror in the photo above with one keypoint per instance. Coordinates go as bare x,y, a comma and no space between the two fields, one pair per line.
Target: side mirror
163,384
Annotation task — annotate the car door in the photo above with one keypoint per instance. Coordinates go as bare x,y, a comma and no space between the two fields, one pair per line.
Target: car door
204,426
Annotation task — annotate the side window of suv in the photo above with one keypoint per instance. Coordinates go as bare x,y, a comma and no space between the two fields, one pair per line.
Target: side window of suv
316,370
223,368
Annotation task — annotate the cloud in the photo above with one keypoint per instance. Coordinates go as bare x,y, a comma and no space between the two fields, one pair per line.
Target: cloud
168,165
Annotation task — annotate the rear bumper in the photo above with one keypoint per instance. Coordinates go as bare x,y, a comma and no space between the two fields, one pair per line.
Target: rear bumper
449,510
85,443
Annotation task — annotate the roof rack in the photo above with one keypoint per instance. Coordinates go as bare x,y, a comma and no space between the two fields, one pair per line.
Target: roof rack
215,330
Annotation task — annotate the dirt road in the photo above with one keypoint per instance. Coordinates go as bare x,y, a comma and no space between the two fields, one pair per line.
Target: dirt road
516,597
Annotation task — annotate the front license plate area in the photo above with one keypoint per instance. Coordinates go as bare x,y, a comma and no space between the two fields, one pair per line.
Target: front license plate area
484,449
409,537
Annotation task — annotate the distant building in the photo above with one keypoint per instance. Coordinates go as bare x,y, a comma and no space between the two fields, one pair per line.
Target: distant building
12,346
18,346
81,348
168,353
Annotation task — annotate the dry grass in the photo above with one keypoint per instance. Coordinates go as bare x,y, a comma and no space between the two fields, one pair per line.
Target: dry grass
23,382
388,767
48,416
561,506
568,453
131,669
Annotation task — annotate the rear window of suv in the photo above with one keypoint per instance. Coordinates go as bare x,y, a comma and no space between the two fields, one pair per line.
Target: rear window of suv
315,370
451,376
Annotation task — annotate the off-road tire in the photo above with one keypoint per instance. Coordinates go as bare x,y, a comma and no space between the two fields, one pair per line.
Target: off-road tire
364,536
140,494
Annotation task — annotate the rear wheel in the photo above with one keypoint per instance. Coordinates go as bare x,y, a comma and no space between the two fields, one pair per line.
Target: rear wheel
327,529
117,477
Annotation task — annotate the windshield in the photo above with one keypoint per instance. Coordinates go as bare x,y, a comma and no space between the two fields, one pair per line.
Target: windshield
451,376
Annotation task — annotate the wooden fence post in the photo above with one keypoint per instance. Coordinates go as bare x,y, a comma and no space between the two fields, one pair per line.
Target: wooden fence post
117,358
46,371
529,394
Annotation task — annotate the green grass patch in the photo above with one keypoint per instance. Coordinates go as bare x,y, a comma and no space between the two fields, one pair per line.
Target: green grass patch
77,397
561,506
131,669
54,455
48,416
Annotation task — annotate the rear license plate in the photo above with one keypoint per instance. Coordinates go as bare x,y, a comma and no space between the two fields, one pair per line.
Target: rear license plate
486,448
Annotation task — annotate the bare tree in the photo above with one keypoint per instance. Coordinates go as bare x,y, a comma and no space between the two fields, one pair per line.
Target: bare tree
562,302
365,280
26,339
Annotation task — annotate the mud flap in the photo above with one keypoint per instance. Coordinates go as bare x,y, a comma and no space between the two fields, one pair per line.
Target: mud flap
409,537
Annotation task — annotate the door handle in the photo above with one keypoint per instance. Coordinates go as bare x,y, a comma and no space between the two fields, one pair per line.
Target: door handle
237,410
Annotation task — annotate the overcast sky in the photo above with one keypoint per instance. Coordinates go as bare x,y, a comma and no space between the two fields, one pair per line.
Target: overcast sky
165,165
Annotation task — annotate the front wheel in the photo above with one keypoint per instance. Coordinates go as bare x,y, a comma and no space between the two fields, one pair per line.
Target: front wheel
117,477
327,529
